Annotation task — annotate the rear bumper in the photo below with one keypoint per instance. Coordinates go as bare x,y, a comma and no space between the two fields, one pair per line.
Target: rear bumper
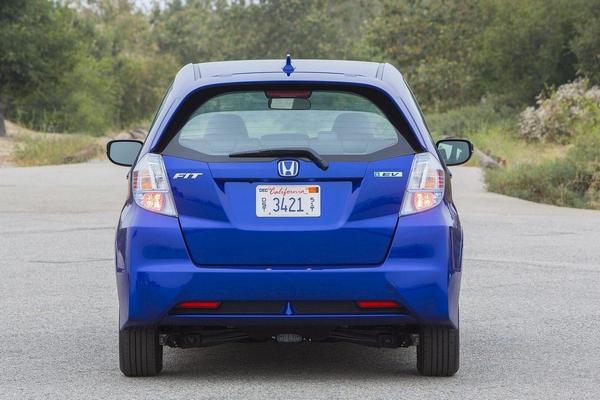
422,272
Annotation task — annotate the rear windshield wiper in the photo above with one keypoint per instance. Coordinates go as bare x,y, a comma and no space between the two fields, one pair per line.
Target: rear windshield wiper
287,152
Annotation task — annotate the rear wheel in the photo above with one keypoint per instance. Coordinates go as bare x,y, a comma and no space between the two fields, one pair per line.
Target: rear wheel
438,351
139,352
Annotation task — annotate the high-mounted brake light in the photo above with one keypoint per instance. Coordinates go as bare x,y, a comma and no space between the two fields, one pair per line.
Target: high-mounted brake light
150,185
425,187
276,94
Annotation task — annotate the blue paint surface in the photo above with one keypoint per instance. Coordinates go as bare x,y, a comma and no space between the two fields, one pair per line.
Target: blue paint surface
359,249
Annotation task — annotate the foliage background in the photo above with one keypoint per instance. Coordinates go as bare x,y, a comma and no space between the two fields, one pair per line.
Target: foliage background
95,65
520,78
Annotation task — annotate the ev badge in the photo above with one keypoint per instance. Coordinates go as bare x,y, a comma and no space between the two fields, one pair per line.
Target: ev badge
387,174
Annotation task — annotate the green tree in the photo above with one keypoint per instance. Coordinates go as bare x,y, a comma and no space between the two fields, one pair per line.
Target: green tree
183,30
36,46
198,31
136,71
586,44
432,42
525,47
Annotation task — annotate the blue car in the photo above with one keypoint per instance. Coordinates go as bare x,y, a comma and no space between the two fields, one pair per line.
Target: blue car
293,201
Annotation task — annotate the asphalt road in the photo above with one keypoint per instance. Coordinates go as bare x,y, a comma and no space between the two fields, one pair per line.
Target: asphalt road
530,307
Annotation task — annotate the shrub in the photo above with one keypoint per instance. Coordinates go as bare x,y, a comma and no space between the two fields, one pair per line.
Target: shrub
470,119
557,114
55,149
573,180
549,182
586,155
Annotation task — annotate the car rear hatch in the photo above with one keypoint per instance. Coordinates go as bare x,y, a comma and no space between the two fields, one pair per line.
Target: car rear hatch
328,196
218,213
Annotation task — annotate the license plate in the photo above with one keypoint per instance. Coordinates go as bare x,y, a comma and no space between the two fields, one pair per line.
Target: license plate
288,201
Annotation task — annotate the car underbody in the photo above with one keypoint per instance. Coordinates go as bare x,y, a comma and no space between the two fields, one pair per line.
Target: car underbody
374,336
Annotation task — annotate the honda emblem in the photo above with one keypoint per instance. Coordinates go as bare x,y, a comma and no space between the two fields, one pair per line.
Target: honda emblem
287,168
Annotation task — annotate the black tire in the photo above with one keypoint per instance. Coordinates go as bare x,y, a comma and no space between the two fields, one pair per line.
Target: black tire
438,352
139,352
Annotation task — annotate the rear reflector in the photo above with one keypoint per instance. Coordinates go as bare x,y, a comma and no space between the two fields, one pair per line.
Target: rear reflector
377,304
205,305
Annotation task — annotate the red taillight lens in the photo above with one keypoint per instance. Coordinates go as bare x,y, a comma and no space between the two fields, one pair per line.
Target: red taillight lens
205,305
423,200
377,304
153,201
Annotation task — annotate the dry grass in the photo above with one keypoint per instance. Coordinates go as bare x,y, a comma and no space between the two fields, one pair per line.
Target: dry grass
503,144
494,131
64,149
23,147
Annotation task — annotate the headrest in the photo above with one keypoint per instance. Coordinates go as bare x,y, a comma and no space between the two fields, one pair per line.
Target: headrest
284,137
226,126
353,124
327,135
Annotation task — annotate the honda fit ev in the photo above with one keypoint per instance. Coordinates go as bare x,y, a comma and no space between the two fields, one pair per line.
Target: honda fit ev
292,201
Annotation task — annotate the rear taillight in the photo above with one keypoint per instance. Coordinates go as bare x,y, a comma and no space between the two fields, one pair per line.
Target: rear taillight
150,185
425,187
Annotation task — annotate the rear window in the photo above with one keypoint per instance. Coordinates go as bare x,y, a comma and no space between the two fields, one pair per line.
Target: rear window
333,123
